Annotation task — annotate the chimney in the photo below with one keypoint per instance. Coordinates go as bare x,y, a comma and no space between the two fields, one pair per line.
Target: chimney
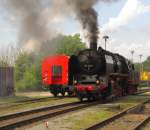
93,45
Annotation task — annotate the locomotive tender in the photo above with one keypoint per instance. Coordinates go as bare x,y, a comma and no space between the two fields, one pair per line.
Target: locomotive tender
97,73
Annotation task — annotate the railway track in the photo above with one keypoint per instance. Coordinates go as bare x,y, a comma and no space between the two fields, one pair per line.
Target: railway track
133,118
140,91
28,101
143,123
28,117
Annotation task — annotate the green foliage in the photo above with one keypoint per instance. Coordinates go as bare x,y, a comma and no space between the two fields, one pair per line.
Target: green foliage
70,45
23,62
4,62
28,66
30,81
137,66
27,72
146,65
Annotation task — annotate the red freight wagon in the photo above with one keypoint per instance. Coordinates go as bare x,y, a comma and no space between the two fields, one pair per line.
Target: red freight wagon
55,74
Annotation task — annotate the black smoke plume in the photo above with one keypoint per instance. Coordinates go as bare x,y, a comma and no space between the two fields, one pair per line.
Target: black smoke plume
87,16
35,27
31,23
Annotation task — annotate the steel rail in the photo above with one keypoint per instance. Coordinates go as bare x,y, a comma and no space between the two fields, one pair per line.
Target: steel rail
28,117
117,116
143,123
28,101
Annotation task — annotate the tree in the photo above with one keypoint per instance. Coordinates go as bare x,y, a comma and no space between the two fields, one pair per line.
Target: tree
137,66
22,62
28,66
4,62
71,45
146,65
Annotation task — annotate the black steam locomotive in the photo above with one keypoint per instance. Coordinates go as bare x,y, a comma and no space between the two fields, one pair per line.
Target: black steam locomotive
97,73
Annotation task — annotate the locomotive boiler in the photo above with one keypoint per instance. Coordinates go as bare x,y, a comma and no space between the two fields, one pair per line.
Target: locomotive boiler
97,73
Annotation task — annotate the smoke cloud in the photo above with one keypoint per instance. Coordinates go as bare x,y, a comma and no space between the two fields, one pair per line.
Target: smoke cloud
32,24
35,17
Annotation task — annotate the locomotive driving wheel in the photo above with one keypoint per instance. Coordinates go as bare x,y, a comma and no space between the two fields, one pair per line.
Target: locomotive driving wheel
70,94
55,94
81,99
63,93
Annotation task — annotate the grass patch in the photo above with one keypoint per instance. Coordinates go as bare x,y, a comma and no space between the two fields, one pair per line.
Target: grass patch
12,99
27,106
89,118
23,96
147,127
132,100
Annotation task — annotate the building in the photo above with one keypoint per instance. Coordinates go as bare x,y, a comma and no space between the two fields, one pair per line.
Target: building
6,81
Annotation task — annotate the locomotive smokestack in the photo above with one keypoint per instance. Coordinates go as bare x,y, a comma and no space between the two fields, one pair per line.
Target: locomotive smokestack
93,46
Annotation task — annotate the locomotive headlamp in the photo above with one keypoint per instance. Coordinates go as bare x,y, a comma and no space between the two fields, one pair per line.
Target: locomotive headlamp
97,82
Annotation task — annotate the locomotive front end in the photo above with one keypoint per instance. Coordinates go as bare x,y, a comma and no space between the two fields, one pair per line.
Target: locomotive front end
90,66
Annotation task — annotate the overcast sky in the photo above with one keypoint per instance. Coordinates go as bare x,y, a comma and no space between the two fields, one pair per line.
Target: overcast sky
126,22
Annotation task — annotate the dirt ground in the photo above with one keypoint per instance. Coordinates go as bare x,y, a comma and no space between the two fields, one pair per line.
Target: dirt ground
34,94
24,96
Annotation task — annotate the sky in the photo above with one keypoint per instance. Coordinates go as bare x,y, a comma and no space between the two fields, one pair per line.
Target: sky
126,22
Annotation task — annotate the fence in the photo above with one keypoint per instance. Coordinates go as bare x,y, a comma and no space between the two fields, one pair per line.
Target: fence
6,81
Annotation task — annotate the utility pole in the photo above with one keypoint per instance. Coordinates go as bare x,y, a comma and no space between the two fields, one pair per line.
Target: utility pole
141,65
105,38
132,53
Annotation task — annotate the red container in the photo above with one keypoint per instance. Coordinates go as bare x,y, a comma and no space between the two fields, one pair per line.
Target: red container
55,70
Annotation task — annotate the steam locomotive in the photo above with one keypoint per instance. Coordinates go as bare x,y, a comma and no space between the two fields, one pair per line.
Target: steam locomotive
97,73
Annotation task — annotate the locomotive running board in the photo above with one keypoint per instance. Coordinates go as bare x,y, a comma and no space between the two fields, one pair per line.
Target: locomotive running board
118,75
